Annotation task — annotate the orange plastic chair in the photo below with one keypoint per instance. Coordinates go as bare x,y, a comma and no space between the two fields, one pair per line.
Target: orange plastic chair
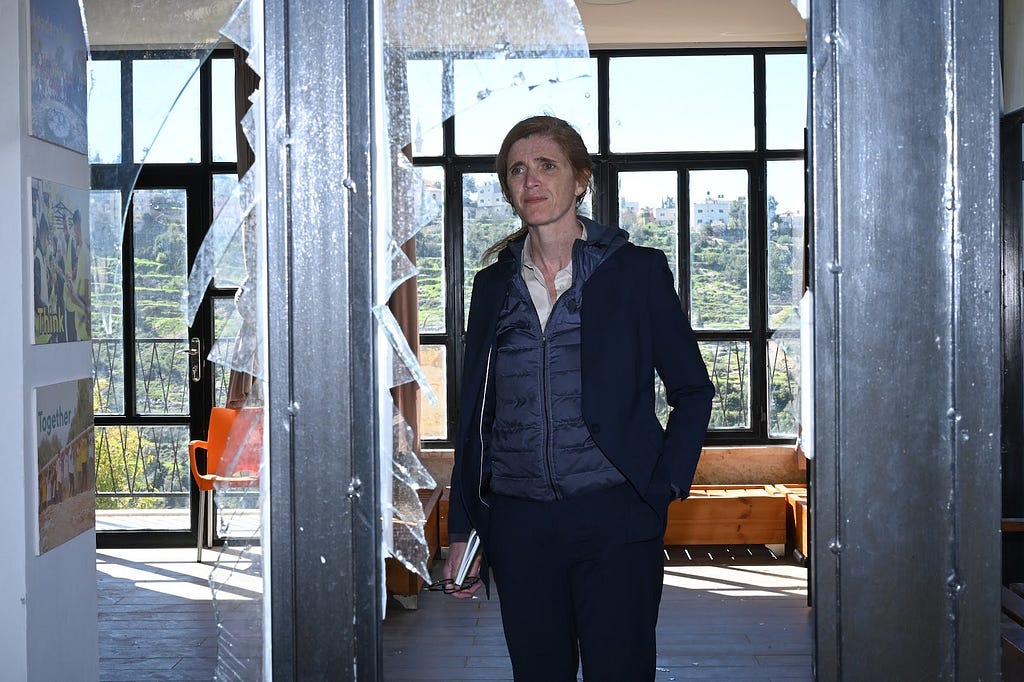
232,459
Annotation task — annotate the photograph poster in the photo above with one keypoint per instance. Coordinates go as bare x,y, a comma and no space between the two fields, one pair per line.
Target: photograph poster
61,307
67,475
59,83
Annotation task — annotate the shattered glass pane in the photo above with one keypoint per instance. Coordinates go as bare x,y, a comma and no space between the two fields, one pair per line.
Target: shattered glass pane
389,325
507,60
237,577
494,96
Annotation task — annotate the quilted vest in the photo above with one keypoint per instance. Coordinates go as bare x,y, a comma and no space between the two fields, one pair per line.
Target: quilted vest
540,448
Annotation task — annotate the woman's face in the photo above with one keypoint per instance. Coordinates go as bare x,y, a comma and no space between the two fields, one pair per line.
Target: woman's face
542,184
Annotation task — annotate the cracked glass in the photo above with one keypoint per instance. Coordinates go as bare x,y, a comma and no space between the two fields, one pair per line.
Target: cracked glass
505,62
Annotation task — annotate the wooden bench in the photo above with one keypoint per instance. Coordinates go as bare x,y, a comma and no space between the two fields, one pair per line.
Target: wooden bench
399,581
728,515
797,522
723,515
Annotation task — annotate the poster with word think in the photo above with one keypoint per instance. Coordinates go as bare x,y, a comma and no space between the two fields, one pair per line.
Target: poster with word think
61,307
67,472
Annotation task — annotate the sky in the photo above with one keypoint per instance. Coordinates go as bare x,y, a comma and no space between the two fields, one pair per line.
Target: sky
165,98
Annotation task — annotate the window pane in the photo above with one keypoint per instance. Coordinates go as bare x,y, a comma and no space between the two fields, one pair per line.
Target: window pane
728,364
785,184
223,133
424,79
226,325
719,250
107,316
434,420
647,210
156,85
486,218
104,111
660,402
230,270
691,103
160,273
786,100
142,468
492,95
430,281
783,385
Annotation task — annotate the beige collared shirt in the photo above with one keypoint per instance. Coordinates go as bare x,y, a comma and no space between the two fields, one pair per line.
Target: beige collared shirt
538,288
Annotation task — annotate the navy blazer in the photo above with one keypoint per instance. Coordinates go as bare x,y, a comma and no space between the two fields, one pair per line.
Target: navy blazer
632,324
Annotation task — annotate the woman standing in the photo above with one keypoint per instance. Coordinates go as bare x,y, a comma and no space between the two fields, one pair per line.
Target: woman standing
561,464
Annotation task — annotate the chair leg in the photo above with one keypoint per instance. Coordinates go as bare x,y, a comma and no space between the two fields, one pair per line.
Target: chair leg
209,517
200,528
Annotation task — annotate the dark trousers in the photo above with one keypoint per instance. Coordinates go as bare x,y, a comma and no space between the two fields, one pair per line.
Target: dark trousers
573,585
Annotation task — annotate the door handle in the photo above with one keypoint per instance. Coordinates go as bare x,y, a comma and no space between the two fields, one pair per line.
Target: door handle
195,359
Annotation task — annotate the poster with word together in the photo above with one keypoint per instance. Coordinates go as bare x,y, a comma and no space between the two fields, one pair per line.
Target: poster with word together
59,84
67,474
61,307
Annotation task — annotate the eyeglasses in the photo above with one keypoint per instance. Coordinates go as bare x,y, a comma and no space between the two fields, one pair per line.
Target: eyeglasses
448,585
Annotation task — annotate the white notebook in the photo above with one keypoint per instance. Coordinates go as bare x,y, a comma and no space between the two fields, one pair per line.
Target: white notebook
472,545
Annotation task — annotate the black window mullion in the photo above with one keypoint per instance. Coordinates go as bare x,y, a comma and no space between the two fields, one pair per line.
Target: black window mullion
206,112
758,264
127,119
455,287
128,306
760,103
199,218
683,231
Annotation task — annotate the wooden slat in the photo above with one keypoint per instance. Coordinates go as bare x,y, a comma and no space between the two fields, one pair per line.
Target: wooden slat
791,489
1013,525
727,516
443,517
796,524
732,491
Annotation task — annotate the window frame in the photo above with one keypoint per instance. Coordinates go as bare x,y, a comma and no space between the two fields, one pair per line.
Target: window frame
607,166
197,179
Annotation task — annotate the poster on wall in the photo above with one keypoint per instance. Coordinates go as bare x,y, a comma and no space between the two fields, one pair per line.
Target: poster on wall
67,474
59,83
61,307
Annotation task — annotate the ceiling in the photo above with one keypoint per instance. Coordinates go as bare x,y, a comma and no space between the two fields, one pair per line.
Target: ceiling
675,23
629,24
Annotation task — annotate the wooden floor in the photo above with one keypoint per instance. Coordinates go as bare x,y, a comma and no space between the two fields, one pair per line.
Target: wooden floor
158,618
732,615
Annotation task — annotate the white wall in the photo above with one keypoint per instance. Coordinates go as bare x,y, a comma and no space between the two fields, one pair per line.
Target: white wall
13,416
47,603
